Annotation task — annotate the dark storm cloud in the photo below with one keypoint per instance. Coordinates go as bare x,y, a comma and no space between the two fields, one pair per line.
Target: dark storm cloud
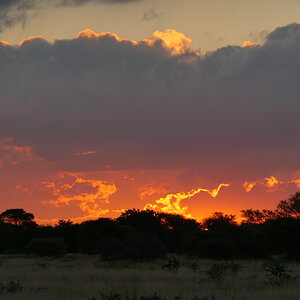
13,12
139,107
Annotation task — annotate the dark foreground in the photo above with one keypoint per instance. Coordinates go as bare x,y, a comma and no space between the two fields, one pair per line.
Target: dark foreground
88,278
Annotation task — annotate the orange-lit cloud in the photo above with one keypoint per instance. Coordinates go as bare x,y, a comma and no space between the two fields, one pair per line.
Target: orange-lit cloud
86,153
22,188
90,34
249,44
296,182
92,195
175,42
12,154
270,183
4,43
172,203
32,38
151,189
248,186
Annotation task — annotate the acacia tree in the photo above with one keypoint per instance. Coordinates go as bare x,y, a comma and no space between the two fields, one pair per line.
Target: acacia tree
256,216
17,216
290,208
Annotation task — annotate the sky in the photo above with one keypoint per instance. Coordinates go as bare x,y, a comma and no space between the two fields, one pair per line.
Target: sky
186,107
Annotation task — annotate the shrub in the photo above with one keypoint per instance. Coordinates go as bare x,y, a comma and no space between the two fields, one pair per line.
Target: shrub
11,287
204,298
218,271
117,296
140,247
172,265
277,273
46,247
153,297
111,296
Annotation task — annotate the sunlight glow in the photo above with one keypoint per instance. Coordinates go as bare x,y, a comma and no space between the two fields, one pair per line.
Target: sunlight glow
249,44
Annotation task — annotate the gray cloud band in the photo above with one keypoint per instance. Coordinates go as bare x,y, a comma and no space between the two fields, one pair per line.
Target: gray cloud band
139,107
13,12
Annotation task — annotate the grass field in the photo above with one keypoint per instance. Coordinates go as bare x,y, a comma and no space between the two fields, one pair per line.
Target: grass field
88,278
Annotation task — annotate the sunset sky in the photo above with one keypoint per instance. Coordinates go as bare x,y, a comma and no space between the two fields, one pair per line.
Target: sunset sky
186,107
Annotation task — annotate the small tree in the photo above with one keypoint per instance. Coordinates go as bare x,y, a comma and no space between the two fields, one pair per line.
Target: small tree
63,223
16,216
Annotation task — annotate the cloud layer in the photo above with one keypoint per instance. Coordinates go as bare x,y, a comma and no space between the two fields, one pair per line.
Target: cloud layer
149,105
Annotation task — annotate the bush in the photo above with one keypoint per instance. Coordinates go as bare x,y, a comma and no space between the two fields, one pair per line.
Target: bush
117,296
277,273
140,247
11,287
111,296
218,271
153,297
204,298
46,247
172,265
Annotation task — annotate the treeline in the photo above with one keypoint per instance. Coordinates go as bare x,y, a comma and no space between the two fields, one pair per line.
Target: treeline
146,234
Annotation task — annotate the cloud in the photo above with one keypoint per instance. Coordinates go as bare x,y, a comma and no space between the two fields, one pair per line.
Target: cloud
177,42
13,12
81,2
12,154
151,189
92,195
155,103
172,203
151,15
249,44
271,184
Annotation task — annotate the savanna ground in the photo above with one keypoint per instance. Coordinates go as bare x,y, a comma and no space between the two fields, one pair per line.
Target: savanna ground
89,278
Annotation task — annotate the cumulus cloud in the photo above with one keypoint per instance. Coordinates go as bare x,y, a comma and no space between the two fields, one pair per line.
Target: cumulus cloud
155,104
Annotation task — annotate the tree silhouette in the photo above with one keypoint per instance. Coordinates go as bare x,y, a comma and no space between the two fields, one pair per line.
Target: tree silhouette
219,221
178,222
147,234
17,216
290,208
64,223
141,220
256,216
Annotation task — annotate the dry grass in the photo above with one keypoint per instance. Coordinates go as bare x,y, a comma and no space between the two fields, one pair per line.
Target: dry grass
86,277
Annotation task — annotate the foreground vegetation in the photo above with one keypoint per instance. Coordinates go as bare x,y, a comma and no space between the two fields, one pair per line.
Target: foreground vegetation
147,235
89,278
128,258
